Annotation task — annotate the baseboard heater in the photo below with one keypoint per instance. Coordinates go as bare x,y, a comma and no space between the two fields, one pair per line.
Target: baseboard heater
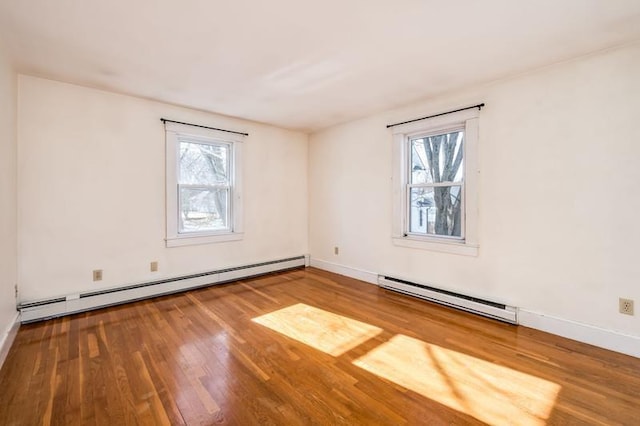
52,308
482,307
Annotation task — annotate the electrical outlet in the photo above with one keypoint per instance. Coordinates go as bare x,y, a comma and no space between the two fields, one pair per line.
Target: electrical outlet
626,306
97,274
336,250
15,287
153,266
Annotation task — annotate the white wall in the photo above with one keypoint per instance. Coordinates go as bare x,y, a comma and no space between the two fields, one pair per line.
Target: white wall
91,185
559,197
8,268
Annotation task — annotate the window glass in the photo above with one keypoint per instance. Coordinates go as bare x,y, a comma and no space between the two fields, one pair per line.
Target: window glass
436,211
435,185
204,186
202,163
203,209
438,158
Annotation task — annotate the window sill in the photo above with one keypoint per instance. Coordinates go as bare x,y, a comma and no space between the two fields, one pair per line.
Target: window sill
202,239
452,247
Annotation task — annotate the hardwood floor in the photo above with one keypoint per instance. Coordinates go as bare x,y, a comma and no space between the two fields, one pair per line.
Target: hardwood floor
306,347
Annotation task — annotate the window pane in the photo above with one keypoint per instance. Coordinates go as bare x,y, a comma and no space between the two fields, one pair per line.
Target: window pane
203,164
437,158
204,210
436,211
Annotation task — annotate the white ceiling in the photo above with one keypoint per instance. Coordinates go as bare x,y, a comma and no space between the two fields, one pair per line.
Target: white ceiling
302,64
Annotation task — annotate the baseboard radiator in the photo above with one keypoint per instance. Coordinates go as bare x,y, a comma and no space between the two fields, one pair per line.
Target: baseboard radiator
52,308
482,307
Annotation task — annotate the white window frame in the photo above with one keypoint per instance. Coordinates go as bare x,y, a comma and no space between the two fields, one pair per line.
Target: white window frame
402,135
173,134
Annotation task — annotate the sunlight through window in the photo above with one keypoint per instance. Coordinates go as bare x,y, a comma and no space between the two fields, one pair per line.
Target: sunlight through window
491,393
325,331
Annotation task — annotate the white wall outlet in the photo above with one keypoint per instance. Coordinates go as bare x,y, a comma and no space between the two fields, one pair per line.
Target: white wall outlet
336,250
97,274
626,306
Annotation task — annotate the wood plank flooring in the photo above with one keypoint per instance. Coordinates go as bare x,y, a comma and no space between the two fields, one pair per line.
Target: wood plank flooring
306,347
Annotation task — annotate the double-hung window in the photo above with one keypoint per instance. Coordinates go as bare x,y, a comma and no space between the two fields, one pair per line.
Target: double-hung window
203,188
435,183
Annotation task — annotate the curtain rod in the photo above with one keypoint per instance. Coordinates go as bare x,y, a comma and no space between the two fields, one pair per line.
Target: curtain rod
479,106
165,120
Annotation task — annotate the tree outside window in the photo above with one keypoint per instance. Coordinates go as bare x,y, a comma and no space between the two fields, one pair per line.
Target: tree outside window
436,184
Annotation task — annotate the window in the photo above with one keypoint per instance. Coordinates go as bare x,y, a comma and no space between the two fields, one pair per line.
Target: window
435,183
204,193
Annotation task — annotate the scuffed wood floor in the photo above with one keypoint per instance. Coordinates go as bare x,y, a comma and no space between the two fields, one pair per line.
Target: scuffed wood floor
306,347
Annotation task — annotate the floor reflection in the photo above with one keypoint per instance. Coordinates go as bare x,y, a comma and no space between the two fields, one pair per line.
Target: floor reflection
325,331
491,393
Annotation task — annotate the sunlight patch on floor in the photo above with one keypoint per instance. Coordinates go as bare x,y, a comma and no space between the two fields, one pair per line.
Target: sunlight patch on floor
491,393
322,330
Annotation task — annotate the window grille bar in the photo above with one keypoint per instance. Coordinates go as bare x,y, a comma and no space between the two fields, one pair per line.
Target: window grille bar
204,187
435,184
165,120
479,106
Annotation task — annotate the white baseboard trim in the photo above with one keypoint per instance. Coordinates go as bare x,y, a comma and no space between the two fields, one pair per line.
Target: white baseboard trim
8,336
347,271
585,333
